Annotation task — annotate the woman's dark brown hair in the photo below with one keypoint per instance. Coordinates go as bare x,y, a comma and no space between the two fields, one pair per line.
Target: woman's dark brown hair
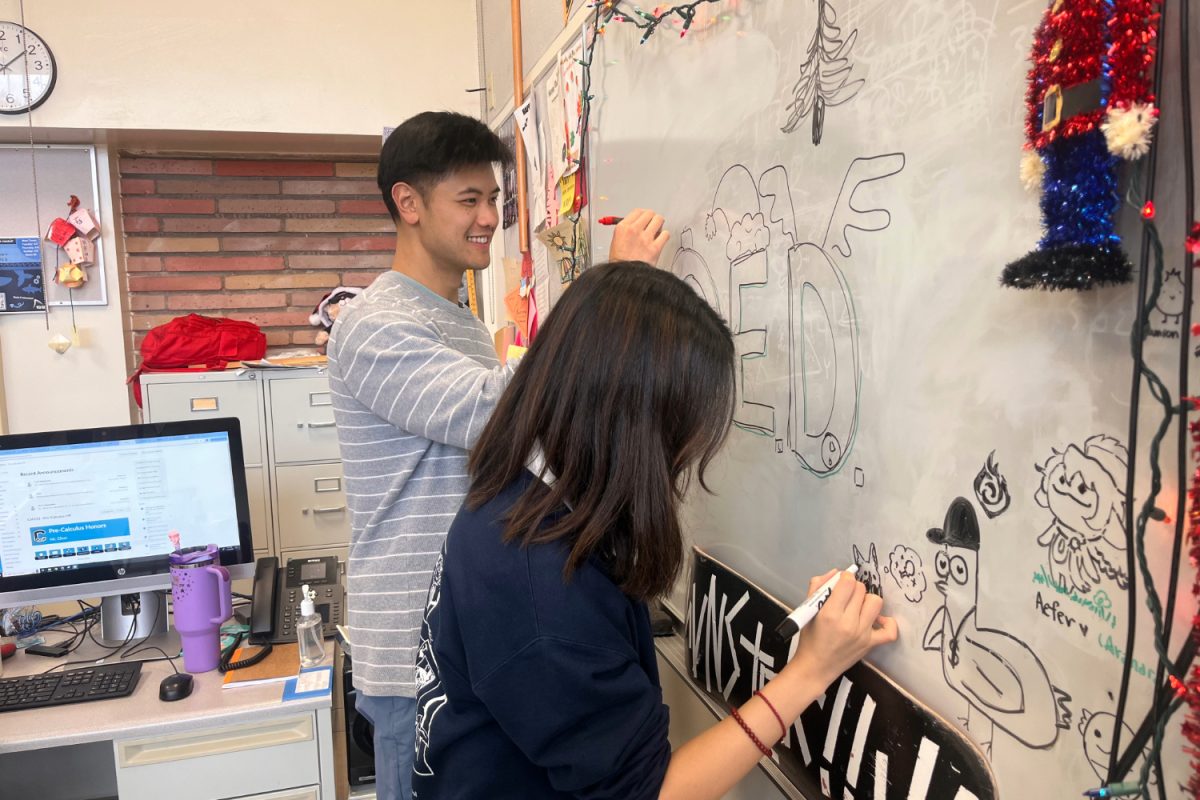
627,387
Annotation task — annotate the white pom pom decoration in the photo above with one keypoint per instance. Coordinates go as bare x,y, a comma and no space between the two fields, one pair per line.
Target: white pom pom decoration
1032,170
1127,130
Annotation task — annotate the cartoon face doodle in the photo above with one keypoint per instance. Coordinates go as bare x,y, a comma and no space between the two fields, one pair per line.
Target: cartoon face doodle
1081,487
1170,298
1096,728
905,568
868,570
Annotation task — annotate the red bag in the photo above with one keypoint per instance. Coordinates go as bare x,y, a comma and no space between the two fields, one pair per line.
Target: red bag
208,343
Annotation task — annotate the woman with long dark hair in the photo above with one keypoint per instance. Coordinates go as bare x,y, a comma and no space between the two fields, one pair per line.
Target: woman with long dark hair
536,670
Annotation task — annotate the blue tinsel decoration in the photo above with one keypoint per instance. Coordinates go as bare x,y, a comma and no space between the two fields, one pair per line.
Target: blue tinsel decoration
1080,248
1079,192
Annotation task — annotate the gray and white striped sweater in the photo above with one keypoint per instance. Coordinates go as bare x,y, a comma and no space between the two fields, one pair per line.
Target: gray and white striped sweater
414,378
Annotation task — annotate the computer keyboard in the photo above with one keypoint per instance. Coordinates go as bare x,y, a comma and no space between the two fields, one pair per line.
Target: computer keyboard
101,682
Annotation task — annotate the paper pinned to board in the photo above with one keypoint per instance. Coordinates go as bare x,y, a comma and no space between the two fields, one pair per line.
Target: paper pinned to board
541,279
526,117
518,310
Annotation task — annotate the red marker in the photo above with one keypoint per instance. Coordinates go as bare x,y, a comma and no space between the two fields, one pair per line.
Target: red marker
610,220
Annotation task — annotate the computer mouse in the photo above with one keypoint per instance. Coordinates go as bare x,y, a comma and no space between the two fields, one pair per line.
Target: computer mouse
175,687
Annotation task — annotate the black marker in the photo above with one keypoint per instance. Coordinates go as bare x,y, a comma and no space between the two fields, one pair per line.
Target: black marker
805,612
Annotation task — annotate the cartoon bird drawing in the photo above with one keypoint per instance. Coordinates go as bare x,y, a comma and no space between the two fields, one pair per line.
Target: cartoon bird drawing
1096,729
997,673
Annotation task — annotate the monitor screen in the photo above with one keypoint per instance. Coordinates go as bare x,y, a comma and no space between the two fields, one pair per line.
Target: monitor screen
98,505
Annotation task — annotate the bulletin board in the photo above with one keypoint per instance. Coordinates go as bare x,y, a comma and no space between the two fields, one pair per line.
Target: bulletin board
61,171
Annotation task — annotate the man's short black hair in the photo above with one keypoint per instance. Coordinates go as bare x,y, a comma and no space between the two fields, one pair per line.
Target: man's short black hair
428,147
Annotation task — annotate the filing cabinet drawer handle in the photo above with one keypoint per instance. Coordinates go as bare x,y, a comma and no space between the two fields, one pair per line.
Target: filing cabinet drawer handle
313,400
329,424
213,742
329,510
205,404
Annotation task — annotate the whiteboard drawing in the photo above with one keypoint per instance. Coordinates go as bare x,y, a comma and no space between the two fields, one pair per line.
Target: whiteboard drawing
825,75
1082,487
998,675
868,569
1096,729
908,572
752,226
736,220
691,266
991,488
1170,299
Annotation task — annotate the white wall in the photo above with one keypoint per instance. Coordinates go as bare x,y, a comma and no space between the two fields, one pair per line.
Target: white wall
267,65
85,386
129,69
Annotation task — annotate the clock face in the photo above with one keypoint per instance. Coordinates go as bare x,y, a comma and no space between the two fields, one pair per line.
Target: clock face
27,70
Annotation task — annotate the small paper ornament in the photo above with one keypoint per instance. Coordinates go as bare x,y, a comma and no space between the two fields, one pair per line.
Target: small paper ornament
60,231
81,251
85,222
71,276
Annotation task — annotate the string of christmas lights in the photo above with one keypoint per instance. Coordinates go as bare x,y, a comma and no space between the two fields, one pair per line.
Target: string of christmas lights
604,13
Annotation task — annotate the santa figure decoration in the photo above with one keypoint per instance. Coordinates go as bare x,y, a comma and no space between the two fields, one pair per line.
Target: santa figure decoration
1090,103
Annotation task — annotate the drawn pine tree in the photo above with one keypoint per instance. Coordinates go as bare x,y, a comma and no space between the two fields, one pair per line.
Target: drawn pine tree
825,75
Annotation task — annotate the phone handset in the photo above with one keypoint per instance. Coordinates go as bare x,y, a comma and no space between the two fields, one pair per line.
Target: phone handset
262,604
262,614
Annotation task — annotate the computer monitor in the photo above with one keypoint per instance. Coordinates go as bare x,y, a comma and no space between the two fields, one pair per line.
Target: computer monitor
87,513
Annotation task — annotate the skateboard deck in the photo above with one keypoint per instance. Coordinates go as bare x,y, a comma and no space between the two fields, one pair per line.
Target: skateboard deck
866,738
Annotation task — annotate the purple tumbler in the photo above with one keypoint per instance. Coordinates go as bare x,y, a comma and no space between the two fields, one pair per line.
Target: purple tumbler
201,591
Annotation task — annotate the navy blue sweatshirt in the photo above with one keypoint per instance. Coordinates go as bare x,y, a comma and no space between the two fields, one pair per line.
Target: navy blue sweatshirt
529,687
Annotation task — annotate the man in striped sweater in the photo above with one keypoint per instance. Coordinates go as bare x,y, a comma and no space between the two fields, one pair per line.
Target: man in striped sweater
414,378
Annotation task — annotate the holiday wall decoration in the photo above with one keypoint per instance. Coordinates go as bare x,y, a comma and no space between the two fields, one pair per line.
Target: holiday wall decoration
1090,104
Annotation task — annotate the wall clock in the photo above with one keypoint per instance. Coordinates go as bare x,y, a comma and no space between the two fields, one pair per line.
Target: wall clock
27,69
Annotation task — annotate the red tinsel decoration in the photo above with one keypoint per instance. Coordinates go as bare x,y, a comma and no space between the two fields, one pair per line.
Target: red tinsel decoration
1191,688
1077,42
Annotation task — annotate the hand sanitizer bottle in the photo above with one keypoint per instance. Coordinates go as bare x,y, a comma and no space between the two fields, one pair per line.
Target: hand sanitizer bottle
308,631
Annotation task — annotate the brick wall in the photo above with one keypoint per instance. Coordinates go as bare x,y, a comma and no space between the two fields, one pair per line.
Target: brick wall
260,240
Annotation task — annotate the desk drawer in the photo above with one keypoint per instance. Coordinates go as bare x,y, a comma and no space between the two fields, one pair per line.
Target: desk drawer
312,505
229,761
303,793
302,420
210,400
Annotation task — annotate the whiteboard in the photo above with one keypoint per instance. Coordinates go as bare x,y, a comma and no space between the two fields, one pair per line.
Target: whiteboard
882,367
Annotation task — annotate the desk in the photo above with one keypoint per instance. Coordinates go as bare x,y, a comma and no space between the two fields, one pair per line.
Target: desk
216,743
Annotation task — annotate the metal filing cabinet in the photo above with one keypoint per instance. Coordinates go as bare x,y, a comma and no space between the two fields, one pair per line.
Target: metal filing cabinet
293,467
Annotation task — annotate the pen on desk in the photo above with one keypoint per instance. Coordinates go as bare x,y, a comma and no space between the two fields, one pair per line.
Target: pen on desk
805,612
1115,790
610,220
